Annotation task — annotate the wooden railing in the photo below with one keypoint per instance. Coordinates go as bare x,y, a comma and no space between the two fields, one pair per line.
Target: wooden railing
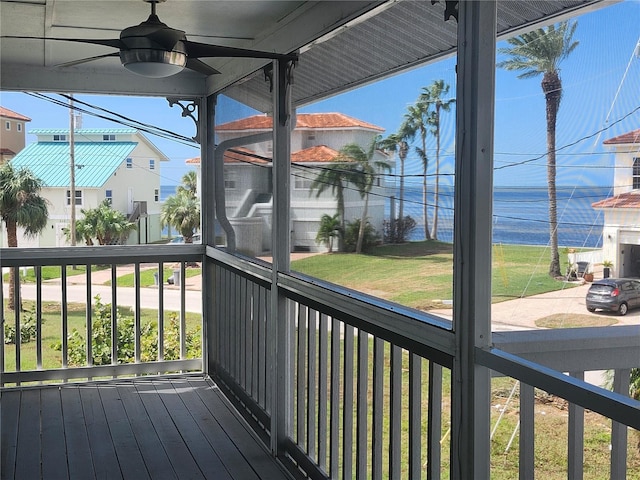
121,346
361,386
369,382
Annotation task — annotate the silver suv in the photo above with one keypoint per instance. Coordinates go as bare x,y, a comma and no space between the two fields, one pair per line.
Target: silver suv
614,295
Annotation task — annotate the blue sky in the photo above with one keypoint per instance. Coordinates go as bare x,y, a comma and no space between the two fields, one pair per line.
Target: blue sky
596,95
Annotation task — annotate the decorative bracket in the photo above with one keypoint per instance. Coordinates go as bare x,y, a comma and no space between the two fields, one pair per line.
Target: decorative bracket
188,110
450,9
285,82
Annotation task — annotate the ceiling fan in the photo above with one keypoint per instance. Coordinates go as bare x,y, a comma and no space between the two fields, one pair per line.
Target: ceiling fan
153,49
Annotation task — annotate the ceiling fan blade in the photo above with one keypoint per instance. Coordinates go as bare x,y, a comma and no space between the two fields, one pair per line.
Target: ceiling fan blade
89,59
203,50
115,43
201,67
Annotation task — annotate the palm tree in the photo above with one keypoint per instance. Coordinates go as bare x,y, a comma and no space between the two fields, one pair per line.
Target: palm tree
417,119
399,142
329,229
106,225
540,52
363,171
189,183
20,206
334,176
182,211
432,95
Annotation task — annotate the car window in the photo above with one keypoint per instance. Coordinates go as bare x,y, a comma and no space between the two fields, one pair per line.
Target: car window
626,287
600,289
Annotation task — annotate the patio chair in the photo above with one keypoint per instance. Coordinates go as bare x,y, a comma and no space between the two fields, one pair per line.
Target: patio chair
581,269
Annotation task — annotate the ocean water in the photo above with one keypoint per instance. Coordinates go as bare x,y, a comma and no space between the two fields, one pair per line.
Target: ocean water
520,215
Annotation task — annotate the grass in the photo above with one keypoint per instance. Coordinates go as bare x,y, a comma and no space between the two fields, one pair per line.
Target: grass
147,278
574,320
53,272
420,274
52,332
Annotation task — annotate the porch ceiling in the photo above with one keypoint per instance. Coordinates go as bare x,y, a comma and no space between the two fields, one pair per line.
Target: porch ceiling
342,44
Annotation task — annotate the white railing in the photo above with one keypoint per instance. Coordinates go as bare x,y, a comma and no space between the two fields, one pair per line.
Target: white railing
121,346
366,379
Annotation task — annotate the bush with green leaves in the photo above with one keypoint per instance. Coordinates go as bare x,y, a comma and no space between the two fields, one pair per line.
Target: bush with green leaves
101,339
370,239
398,230
28,329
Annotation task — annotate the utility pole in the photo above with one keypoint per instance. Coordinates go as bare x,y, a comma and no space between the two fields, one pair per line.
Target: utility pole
72,171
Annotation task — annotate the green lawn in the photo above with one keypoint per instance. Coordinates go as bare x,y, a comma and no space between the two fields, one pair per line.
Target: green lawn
420,274
53,272
147,276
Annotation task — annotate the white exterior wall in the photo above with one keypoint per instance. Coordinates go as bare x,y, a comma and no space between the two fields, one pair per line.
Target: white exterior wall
623,173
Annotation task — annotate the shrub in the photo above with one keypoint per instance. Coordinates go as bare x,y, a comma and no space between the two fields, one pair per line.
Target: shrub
101,339
398,229
28,329
369,240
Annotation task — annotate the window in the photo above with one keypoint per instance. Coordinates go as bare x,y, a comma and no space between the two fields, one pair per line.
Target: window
7,125
636,173
230,181
59,138
152,164
156,195
108,194
19,125
301,182
311,137
129,162
108,138
78,197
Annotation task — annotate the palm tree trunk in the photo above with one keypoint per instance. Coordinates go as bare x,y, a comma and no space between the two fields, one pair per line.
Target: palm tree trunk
363,221
12,241
436,189
552,87
425,196
401,212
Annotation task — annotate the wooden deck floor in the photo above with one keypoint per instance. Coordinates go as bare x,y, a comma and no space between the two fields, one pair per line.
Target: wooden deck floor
181,428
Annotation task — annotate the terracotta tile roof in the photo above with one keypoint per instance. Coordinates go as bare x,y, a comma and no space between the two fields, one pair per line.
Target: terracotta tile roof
632,137
319,153
624,200
304,121
237,155
5,112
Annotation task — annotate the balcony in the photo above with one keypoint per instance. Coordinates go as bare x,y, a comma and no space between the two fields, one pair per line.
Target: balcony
346,385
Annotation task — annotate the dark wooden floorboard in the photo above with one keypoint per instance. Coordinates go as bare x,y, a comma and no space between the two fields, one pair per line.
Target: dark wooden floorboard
158,428
244,441
9,433
127,450
208,461
79,458
28,454
151,449
54,456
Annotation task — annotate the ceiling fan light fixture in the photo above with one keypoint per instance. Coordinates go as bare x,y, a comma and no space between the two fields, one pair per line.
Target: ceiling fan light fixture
153,63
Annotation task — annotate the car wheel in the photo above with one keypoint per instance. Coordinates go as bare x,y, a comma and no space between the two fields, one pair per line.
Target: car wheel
591,309
623,309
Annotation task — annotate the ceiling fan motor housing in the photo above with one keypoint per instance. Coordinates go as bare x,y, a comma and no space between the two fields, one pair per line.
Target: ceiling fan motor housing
153,49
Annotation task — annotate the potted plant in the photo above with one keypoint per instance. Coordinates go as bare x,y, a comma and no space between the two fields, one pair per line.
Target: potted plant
606,268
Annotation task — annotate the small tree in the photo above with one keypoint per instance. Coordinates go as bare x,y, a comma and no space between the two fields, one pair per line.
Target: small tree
329,230
182,211
20,206
104,224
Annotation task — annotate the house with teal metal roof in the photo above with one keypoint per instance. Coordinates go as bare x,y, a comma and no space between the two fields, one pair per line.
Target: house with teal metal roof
118,164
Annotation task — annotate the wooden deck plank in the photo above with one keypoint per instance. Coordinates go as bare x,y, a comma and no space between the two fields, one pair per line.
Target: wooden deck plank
105,461
232,458
179,455
28,454
126,448
197,443
54,452
261,462
9,432
149,443
79,457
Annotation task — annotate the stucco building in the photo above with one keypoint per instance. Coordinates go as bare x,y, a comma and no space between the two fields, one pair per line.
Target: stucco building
12,133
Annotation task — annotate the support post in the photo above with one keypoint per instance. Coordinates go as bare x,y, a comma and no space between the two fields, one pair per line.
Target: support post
471,387
281,240
206,134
